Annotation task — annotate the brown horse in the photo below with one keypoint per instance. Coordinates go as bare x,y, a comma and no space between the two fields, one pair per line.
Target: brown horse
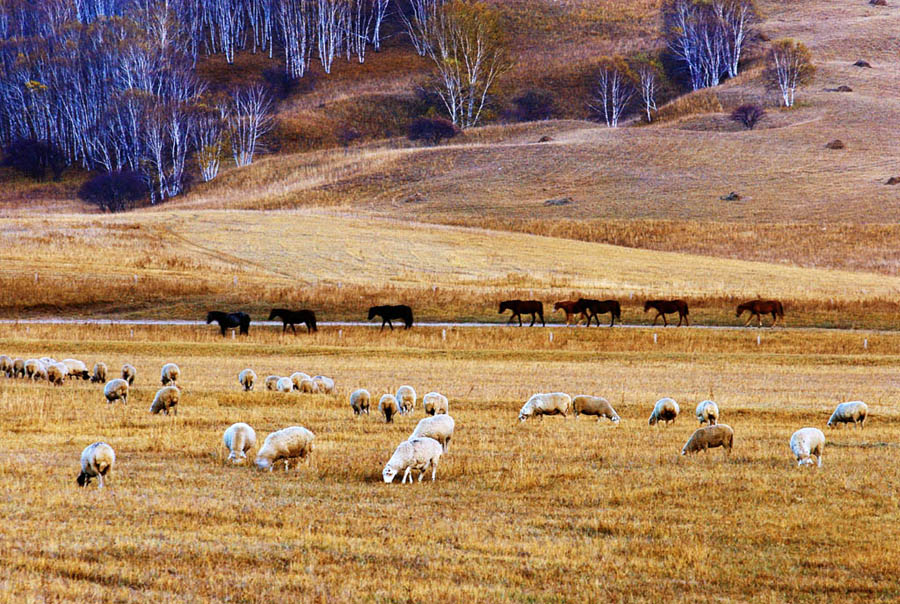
572,308
601,307
667,307
760,308
530,307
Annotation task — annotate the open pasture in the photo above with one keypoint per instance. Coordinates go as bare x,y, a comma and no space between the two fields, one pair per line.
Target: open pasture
562,509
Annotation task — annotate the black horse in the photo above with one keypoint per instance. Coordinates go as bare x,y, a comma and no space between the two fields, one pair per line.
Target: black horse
229,320
292,317
601,307
389,313
535,308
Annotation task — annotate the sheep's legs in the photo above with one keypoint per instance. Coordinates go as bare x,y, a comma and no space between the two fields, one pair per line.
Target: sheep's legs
407,474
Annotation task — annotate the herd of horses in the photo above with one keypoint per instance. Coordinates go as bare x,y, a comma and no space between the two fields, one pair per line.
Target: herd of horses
582,309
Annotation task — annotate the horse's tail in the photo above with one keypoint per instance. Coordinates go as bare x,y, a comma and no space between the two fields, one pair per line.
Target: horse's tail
685,307
617,310
245,323
407,317
779,308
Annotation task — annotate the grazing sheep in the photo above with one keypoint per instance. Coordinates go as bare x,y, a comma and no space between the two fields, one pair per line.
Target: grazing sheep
406,399
32,365
308,386
586,404
6,365
284,384
325,385
388,407
415,454
116,390
97,460
854,412
40,373
76,369
541,404
807,442
286,444
439,427
56,374
99,375
708,437
708,411
435,403
239,438
359,401
169,373
272,382
247,378
166,399
18,368
297,377
665,410
129,373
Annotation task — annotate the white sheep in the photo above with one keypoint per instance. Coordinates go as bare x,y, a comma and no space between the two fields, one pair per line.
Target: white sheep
284,385
807,442
438,427
76,369
665,410
297,377
40,373
586,404
415,454
6,365
166,399
47,361
325,385
708,437
289,443
239,438
388,407
272,382
56,373
360,400
18,368
99,375
97,460
116,390
308,386
541,404
708,411
169,373
129,373
247,378
854,412
435,403
406,399
32,366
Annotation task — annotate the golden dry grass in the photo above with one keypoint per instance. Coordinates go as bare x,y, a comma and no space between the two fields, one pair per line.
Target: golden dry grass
558,510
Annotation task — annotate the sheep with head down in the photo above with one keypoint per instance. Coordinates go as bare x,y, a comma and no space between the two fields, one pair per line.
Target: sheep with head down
6,365
166,400
239,438
417,454
40,373
297,377
541,404
308,386
284,385
585,404
854,412
76,369
32,366
295,442
56,373
129,373
806,443
388,407
116,390
97,460
18,368
435,403
169,374
272,382
99,374
665,410
324,385
438,427
406,399
709,437
247,379
359,401
707,411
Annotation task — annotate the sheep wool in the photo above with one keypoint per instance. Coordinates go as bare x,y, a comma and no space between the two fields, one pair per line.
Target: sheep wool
324,385
295,442
6,365
586,404
56,374
97,460
359,401
166,400
417,454
807,442
438,427
308,386
18,368
406,399
708,437
116,390
239,438
247,379
272,382
76,369
33,366
665,410
129,373
854,412
297,377
169,374
541,404
284,384
99,375
707,411
435,403
388,407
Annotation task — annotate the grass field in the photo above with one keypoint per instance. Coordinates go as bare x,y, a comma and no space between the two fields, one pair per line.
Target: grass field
549,511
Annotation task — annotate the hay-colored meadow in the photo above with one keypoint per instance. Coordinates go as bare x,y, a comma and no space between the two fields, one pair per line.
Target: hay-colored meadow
562,509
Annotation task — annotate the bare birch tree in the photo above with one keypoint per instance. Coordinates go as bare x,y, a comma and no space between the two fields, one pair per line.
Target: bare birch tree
614,91
249,118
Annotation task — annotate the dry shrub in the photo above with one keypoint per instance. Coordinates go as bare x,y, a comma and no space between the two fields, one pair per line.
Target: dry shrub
694,103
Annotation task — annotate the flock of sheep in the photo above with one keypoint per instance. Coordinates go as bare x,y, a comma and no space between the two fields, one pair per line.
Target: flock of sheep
427,443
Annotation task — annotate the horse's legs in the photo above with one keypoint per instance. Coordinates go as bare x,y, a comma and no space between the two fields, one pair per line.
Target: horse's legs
391,325
665,322
542,319
612,320
511,317
533,319
747,322
383,321
680,317
758,319
222,327
520,318
294,328
687,320
774,318
655,318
